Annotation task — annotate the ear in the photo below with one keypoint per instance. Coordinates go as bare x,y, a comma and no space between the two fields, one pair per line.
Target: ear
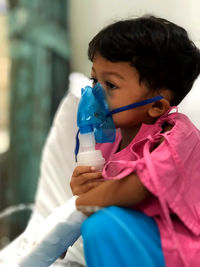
159,108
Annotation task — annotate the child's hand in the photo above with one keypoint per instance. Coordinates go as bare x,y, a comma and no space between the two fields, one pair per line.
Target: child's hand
84,178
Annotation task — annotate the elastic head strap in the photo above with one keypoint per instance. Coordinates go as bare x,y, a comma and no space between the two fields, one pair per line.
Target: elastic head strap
137,104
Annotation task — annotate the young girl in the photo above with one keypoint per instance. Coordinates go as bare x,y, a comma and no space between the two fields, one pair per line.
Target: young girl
152,171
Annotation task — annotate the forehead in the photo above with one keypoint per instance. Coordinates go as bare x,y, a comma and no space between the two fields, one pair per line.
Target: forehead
123,69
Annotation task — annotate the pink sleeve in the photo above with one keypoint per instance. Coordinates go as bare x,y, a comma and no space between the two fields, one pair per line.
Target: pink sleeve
172,173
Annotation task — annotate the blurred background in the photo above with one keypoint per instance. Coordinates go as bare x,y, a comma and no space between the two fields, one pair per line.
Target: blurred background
41,43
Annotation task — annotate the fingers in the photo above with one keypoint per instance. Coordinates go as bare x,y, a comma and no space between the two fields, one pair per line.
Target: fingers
78,190
82,169
86,177
83,174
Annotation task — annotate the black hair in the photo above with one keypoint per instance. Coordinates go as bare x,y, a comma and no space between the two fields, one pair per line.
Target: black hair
160,50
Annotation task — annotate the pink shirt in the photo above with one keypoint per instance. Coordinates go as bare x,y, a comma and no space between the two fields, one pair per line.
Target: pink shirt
171,172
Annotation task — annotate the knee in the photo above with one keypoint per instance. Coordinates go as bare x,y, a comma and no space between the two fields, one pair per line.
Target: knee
99,223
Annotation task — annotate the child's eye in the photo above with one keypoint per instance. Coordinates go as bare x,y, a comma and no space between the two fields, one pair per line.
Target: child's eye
110,85
94,81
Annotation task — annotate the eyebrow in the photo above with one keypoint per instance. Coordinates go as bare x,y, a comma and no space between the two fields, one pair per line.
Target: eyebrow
111,73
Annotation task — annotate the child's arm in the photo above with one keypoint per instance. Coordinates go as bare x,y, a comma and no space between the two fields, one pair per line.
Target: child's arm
125,192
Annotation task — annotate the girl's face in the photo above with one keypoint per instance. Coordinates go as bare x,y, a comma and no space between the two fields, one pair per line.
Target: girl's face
122,87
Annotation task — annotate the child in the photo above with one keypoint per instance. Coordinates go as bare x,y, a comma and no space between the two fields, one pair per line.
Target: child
152,171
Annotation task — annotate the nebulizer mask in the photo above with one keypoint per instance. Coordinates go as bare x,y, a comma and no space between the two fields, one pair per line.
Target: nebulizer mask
95,122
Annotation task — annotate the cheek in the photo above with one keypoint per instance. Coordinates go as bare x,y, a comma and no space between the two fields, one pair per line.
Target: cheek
123,118
110,102
114,103
128,118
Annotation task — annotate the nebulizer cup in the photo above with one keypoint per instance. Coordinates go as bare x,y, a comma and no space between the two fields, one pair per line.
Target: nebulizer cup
89,156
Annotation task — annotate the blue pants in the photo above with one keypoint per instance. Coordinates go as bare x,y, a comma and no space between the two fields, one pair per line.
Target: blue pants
119,237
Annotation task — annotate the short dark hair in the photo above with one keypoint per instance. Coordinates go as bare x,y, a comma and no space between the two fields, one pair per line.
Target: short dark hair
160,50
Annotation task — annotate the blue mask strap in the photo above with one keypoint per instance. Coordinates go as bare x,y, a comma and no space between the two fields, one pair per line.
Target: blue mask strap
137,104
77,145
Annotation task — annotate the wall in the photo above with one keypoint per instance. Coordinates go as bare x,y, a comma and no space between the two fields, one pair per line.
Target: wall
89,16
